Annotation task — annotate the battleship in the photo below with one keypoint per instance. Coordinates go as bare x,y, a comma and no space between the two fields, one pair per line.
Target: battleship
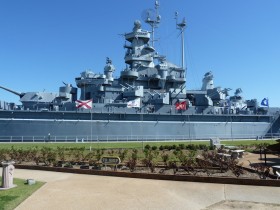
147,101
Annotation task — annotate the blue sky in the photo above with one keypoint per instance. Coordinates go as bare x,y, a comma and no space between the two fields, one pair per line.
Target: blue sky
43,43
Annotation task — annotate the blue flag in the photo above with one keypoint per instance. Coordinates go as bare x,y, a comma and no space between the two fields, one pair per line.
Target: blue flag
264,102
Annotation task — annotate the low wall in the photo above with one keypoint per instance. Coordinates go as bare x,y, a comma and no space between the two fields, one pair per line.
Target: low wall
208,179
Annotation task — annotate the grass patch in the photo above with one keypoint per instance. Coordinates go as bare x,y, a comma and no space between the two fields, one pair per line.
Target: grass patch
96,145
249,142
128,145
10,199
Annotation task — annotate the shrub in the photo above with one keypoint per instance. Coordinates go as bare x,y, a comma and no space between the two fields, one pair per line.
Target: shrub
167,147
122,154
68,165
90,156
61,152
48,156
178,149
165,158
99,153
173,165
3,154
202,147
174,146
192,147
154,147
34,155
182,146
132,161
175,152
78,154
147,146
150,159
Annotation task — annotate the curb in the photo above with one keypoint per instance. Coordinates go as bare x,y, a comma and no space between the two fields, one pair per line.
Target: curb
217,180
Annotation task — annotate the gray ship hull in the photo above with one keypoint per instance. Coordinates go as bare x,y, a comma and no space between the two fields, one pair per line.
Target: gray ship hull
40,126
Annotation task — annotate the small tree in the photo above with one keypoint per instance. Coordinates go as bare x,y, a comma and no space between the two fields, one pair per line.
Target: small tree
78,154
165,158
15,155
187,160
122,154
132,161
48,156
236,169
3,154
150,159
111,152
182,146
147,146
173,165
34,155
61,153
154,148
99,154
206,163
90,157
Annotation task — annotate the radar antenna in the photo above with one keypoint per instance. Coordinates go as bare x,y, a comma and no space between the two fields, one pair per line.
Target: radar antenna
181,26
152,18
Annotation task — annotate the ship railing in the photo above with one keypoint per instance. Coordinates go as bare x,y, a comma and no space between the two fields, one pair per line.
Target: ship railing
137,138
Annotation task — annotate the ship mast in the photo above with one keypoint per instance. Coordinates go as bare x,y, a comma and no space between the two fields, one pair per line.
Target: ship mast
181,26
153,21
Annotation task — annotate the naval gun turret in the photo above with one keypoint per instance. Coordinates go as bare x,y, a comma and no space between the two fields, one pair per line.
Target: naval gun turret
7,105
34,100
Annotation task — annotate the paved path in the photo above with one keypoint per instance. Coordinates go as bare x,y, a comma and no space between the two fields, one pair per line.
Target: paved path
75,191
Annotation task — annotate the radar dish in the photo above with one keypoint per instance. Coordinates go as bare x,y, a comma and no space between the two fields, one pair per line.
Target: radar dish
149,15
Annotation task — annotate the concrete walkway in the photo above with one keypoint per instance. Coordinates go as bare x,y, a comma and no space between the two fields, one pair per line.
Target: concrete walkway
75,191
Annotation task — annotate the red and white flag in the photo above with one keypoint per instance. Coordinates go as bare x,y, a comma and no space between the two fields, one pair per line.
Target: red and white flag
84,104
181,105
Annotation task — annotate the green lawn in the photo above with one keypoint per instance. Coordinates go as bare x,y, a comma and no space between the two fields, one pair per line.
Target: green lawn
116,145
9,199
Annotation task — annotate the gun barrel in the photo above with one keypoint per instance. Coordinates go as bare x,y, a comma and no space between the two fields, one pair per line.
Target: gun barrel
129,85
12,91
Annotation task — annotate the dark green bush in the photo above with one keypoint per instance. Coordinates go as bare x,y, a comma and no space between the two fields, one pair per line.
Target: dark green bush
182,146
178,149
202,147
154,147
148,147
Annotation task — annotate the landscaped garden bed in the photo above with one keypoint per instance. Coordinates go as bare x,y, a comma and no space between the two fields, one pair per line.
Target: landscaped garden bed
189,162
